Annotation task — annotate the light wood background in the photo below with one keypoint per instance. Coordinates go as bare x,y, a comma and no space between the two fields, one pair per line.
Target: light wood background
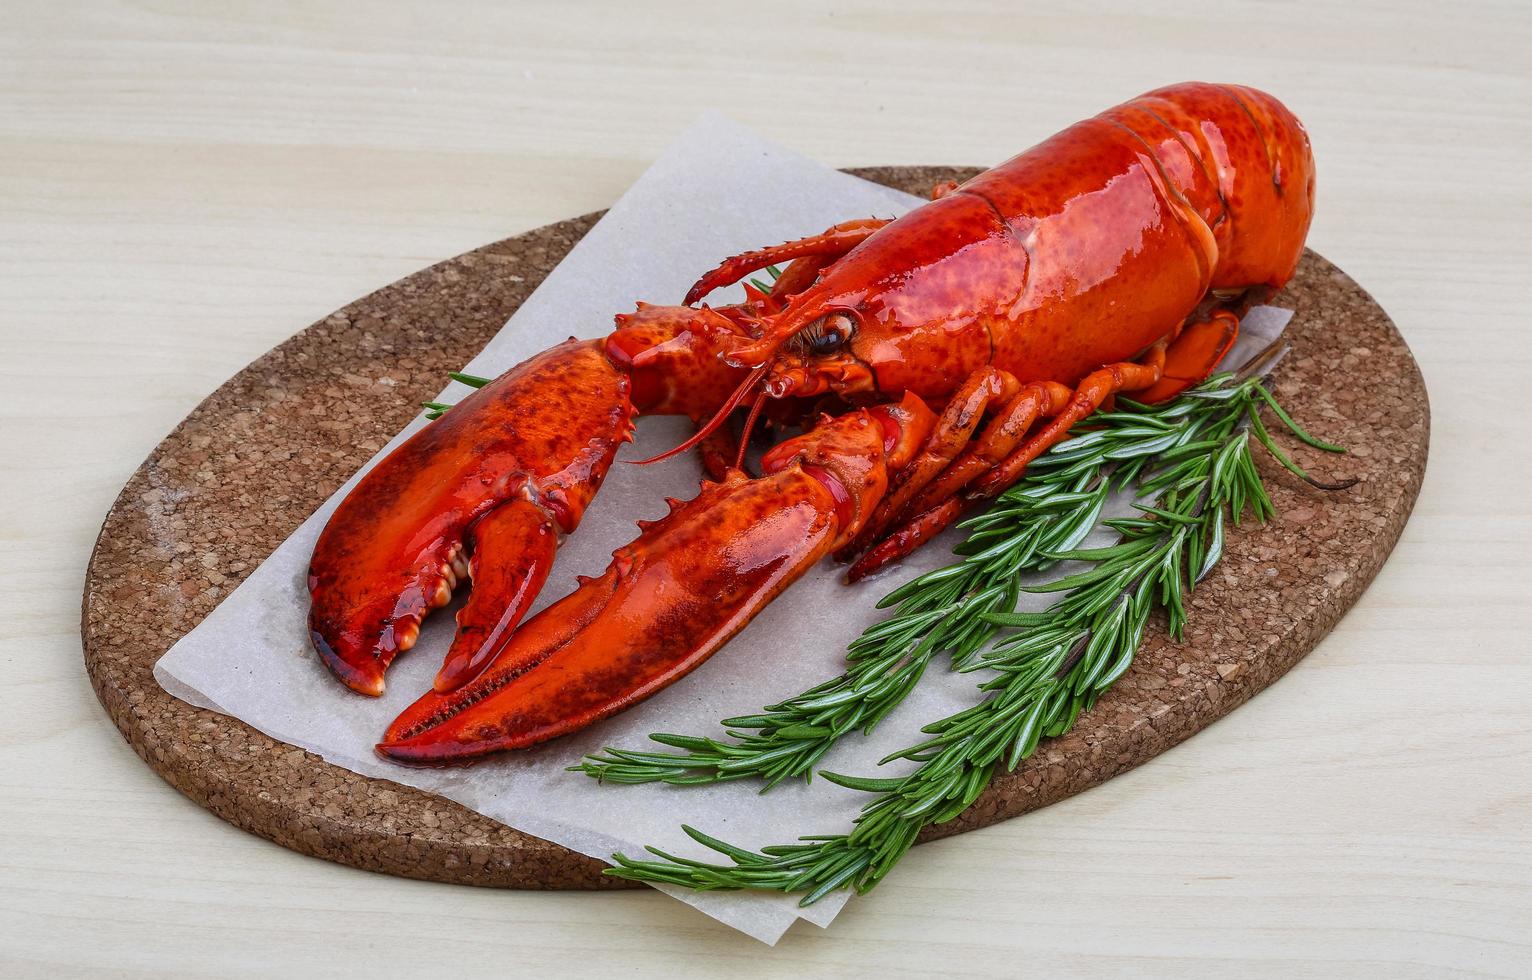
182,185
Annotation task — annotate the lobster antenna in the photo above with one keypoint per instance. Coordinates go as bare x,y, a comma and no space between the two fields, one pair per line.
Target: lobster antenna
718,418
744,437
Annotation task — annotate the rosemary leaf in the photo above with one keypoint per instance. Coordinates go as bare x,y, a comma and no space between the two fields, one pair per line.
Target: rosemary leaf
1191,463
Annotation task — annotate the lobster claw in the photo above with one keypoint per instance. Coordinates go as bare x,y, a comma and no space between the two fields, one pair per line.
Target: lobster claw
673,596
512,548
499,474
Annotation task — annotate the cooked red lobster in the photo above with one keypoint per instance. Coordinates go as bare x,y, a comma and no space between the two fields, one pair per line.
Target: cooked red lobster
1117,256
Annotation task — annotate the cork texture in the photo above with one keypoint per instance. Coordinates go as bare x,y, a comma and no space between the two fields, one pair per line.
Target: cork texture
250,463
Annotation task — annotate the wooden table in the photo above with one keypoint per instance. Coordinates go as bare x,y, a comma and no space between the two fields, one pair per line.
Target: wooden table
182,187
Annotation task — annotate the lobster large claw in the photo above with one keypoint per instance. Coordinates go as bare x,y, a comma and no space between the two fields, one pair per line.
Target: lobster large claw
499,474
487,490
673,596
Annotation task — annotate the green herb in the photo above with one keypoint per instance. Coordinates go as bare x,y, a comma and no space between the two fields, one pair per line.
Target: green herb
1192,463
435,410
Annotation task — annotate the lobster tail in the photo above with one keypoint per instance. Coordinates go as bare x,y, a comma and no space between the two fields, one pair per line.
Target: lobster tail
1252,154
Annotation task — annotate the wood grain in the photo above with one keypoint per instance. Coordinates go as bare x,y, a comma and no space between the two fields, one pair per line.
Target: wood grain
182,187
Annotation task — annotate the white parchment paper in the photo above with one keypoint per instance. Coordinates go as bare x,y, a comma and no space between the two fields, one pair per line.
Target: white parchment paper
717,191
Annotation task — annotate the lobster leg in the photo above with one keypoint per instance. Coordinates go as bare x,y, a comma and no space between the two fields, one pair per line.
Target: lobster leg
830,244
673,596
994,462
997,440
1193,356
983,389
1043,399
718,451
1087,397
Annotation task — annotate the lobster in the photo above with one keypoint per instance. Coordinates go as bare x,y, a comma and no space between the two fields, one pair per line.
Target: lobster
921,363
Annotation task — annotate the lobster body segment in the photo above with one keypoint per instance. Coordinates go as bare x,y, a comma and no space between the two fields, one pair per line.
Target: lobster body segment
1081,251
1116,256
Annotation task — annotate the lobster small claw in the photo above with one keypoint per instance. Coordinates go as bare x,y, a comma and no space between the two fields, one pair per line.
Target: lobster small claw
673,596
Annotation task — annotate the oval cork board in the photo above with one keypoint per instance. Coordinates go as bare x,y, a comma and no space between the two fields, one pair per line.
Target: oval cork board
265,449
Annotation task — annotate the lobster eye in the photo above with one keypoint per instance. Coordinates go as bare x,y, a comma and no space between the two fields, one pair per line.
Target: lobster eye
834,332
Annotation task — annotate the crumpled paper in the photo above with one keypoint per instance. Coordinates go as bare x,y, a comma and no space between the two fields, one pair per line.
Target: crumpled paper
717,191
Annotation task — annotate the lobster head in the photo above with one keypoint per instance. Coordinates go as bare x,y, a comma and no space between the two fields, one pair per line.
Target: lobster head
906,309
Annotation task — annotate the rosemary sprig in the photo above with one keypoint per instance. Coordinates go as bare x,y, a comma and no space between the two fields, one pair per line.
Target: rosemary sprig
948,610
1193,465
938,612
435,410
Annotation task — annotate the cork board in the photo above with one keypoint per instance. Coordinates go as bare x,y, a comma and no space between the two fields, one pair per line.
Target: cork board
264,450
